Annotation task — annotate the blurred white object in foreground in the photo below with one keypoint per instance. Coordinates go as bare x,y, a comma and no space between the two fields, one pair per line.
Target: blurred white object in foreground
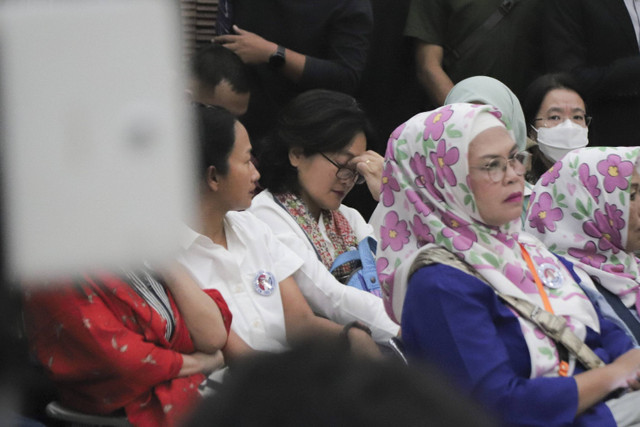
96,149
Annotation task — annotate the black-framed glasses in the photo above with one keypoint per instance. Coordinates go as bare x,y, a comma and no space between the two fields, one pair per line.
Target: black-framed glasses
497,167
344,173
555,119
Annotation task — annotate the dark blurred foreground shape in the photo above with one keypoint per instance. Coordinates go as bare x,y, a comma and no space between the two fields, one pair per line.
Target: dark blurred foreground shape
321,384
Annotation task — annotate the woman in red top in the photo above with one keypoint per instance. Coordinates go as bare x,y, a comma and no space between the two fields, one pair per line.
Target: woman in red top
135,341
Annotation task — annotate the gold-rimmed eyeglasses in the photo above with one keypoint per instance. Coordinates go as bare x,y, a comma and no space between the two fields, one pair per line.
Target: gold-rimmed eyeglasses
496,168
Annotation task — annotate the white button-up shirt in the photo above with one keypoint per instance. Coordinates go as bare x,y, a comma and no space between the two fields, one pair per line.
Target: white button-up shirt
251,249
326,295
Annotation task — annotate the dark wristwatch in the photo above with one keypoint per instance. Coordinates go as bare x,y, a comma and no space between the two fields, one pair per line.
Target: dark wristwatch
277,59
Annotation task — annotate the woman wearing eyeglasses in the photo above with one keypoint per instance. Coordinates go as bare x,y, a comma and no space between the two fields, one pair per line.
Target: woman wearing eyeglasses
556,115
309,163
478,297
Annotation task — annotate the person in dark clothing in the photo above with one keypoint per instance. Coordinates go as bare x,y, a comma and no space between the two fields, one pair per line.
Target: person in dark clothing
456,39
598,43
320,384
293,46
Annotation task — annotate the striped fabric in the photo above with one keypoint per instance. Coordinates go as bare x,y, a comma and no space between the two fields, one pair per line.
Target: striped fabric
153,292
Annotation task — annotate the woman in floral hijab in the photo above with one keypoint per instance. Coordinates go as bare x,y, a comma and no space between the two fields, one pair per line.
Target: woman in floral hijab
586,209
453,178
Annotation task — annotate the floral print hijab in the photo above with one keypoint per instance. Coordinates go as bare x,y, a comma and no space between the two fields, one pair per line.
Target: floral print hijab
426,200
580,209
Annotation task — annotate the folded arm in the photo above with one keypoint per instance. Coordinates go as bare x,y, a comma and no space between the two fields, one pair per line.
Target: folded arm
301,323
200,310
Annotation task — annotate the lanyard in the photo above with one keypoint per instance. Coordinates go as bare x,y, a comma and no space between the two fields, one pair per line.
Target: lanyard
536,278
563,354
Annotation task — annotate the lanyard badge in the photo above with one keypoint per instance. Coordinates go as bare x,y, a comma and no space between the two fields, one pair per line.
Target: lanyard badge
264,283
550,275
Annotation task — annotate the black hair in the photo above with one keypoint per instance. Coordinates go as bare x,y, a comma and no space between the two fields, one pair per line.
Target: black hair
540,87
214,63
215,136
320,384
315,121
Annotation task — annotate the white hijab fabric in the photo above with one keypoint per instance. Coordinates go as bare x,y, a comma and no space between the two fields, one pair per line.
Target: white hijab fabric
426,200
580,209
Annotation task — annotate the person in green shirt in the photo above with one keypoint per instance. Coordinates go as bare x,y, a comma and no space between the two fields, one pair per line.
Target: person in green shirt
455,39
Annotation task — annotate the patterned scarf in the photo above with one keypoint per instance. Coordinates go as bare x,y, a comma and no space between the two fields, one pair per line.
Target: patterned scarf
580,209
426,200
336,225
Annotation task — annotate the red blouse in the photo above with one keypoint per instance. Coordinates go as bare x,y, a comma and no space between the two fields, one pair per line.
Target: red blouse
105,349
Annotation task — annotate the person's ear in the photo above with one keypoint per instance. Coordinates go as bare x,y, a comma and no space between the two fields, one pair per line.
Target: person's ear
295,156
212,178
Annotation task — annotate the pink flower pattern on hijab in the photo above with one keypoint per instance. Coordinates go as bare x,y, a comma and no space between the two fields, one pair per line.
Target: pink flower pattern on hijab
588,255
434,123
615,172
592,232
459,231
426,178
542,215
381,265
606,228
422,231
394,232
443,159
420,216
590,182
390,185
552,174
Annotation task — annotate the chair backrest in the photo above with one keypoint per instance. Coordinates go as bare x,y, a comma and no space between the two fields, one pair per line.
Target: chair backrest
79,419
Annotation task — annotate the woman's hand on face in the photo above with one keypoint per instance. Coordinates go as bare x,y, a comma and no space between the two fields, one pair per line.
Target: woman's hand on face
370,165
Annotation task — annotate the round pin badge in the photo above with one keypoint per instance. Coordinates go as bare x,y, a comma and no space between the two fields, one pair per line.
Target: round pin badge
551,276
264,283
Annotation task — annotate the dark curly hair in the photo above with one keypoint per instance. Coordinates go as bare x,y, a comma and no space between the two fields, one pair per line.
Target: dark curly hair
315,121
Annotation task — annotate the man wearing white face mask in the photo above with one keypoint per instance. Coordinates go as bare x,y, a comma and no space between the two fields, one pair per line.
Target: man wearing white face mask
557,120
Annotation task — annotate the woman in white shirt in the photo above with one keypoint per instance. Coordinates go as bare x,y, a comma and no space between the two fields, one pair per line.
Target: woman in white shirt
308,164
235,253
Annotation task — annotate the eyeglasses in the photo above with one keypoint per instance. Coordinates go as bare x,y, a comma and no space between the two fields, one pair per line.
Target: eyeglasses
555,119
497,167
345,173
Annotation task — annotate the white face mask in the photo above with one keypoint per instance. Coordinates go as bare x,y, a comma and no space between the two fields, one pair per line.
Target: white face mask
557,141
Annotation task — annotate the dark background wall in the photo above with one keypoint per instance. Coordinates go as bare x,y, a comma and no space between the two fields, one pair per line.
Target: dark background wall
390,92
